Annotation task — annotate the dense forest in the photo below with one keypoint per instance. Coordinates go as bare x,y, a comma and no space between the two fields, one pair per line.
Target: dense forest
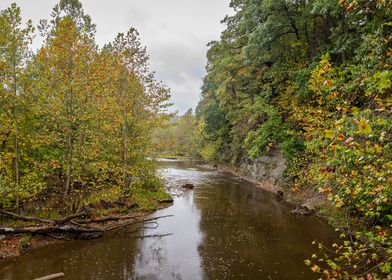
76,119
311,80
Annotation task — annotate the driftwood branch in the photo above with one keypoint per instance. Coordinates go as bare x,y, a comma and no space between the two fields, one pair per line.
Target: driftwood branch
153,235
135,222
156,218
70,217
52,276
156,225
108,219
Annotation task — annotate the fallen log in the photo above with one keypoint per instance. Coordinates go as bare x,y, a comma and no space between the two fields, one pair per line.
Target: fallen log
76,229
52,276
26,218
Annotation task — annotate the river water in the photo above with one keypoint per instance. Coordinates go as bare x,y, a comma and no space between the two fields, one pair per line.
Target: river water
223,229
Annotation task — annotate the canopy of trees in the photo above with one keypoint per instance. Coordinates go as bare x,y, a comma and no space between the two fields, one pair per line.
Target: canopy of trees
74,117
311,79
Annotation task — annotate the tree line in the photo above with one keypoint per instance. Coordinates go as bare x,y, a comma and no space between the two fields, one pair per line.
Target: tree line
75,118
177,138
311,80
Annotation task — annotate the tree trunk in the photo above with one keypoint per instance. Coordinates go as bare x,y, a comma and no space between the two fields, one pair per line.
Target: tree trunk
17,165
124,146
68,180
16,133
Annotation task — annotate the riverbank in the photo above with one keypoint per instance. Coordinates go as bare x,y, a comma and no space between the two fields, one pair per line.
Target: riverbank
37,229
305,201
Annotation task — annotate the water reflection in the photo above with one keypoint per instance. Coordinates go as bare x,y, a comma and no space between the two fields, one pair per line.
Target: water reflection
223,229
175,256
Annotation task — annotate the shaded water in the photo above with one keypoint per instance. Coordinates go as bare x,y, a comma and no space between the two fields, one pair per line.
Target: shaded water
223,229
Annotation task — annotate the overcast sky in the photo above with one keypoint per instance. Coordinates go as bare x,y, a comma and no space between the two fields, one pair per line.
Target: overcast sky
175,32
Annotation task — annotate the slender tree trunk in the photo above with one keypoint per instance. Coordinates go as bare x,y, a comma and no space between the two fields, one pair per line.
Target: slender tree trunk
124,145
70,133
17,165
68,181
69,167
16,135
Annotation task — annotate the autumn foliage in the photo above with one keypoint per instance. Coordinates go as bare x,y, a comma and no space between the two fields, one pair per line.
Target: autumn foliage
75,118
311,79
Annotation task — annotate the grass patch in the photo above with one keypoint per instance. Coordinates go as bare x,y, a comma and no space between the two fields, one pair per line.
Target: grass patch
24,242
148,200
109,194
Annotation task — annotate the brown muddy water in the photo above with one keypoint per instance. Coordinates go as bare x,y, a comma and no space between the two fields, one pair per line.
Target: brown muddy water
223,229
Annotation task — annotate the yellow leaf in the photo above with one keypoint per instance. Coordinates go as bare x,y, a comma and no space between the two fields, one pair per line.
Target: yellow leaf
364,127
329,134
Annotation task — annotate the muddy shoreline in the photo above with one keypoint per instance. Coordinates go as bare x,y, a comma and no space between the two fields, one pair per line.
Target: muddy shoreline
15,245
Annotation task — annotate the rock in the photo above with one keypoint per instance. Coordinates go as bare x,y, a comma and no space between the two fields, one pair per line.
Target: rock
279,194
265,168
2,237
169,200
215,166
188,186
304,210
